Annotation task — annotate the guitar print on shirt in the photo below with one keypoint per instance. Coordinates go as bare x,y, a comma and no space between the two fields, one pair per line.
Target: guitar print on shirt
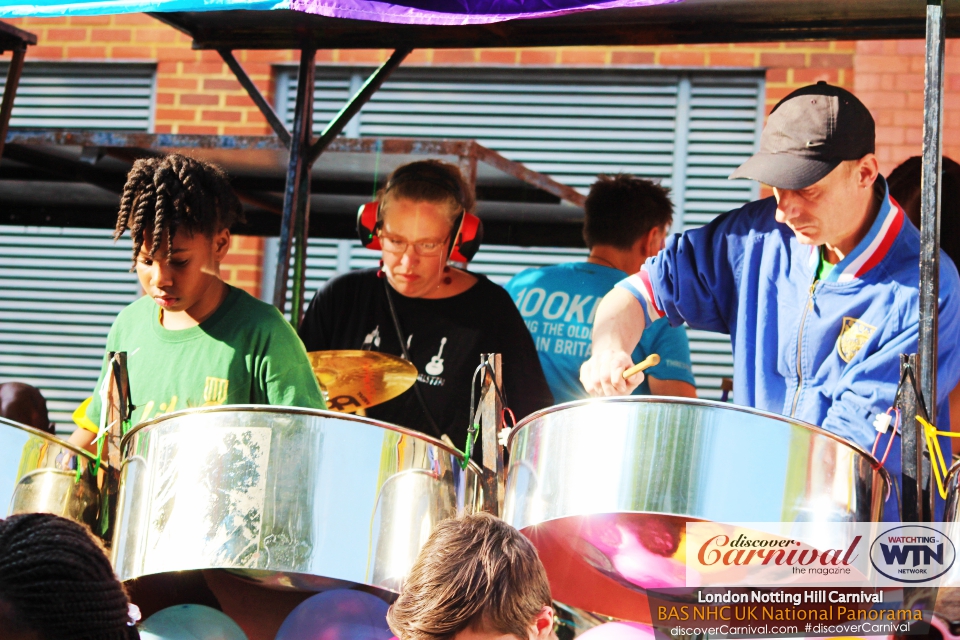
435,366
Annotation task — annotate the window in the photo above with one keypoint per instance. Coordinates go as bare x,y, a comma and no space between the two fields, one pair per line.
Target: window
60,289
689,130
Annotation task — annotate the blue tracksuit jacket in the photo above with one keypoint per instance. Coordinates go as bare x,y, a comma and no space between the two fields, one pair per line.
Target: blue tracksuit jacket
826,353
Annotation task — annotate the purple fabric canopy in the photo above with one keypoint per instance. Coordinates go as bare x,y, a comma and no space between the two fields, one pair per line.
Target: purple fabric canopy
456,12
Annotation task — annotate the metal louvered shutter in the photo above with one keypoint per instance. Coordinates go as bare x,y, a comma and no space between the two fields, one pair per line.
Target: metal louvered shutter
60,290
687,129
83,96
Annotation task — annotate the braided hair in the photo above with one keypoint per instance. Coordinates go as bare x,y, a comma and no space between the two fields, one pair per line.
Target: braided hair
175,192
56,580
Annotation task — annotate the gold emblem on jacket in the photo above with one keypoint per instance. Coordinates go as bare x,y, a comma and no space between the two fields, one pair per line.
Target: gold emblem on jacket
854,334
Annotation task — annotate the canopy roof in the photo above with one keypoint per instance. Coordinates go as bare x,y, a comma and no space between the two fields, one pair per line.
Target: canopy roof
290,24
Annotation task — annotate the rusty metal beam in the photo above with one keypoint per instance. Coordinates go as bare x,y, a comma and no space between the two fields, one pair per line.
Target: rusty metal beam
456,148
10,91
265,108
12,38
65,167
356,103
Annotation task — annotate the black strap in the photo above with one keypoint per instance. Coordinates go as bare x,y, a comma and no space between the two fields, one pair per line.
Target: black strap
406,356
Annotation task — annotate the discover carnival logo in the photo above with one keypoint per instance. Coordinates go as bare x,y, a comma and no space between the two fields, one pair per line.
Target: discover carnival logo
912,553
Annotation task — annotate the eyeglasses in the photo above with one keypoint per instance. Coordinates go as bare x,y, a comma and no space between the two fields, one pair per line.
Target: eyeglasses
394,245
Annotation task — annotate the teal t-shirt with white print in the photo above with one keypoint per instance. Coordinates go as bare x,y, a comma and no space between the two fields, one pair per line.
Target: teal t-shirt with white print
245,353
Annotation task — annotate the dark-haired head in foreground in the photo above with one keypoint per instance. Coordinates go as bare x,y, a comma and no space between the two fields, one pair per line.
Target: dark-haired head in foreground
56,583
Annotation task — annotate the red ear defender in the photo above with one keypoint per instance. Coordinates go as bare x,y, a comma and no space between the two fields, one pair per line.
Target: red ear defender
468,240
368,219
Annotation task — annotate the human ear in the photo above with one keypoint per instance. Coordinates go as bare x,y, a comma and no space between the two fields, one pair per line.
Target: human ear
221,244
542,627
868,169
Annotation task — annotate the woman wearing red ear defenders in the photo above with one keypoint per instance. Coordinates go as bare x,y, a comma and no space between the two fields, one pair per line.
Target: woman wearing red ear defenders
417,306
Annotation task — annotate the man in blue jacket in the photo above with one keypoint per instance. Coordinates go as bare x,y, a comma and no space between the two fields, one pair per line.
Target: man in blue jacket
818,286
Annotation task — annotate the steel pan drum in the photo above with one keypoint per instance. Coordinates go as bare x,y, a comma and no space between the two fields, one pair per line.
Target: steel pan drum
604,488
38,474
293,498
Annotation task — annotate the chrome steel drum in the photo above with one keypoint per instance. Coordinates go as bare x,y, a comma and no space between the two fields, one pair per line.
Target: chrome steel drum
952,512
604,487
290,497
39,474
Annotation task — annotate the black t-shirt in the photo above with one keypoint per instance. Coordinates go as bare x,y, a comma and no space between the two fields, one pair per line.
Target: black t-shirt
445,338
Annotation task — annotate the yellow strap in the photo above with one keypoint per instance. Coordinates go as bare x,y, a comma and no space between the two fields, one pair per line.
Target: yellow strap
939,465
80,416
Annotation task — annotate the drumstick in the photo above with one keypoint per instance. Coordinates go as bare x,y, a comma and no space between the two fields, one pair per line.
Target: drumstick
651,360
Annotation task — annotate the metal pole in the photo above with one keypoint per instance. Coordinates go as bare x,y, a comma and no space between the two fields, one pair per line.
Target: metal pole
293,201
10,91
356,102
271,116
490,421
911,446
930,214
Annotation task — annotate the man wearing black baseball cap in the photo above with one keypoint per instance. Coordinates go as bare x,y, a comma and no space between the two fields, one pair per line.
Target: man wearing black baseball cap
817,286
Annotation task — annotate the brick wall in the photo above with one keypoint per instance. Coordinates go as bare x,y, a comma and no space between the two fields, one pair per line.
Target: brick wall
243,266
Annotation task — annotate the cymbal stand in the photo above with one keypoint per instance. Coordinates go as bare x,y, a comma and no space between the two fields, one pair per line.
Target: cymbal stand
491,417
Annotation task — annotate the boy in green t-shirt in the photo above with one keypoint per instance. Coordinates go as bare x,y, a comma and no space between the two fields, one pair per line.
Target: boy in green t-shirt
193,340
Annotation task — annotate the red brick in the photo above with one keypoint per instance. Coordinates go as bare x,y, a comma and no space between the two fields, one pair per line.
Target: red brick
845,45
871,47
217,84
221,116
176,114
181,54
90,20
632,57
131,52
238,101
591,56
236,130
498,56
810,76
323,55
776,75
203,68
111,35
831,60
682,58
45,51
890,135
783,60
911,47
253,69
165,98
775,94
246,242
454,56
243,259
189,84
757,46
67,35
883,99
197,129
908,82
86,52
362,55
266,55
155,36
809,44
168,67
538,56
907,117
199,99
952,46
867,82
138,19
163,128
208,55
883,64
732,59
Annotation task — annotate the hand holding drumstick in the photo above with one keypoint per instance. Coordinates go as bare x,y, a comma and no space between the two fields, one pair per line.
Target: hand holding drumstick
627,376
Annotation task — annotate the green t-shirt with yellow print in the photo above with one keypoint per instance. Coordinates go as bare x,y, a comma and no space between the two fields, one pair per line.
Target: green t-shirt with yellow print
245,353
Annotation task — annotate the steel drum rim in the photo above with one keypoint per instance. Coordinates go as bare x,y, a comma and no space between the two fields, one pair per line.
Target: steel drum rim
282,409
705,403
46,436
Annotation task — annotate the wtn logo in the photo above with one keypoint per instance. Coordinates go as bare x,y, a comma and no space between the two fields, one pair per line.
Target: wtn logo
912,553
899,554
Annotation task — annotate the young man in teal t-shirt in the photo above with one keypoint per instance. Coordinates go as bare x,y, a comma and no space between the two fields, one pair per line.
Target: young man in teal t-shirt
193,340
626,222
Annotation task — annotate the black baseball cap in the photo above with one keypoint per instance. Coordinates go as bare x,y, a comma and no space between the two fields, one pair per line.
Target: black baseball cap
808,134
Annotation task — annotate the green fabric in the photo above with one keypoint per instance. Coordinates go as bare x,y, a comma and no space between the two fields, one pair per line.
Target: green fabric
245,353
824,268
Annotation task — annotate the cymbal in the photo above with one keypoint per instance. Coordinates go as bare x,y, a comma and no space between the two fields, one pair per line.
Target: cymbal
354,379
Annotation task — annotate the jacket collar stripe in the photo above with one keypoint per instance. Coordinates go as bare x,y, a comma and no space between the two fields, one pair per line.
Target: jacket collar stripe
874,247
